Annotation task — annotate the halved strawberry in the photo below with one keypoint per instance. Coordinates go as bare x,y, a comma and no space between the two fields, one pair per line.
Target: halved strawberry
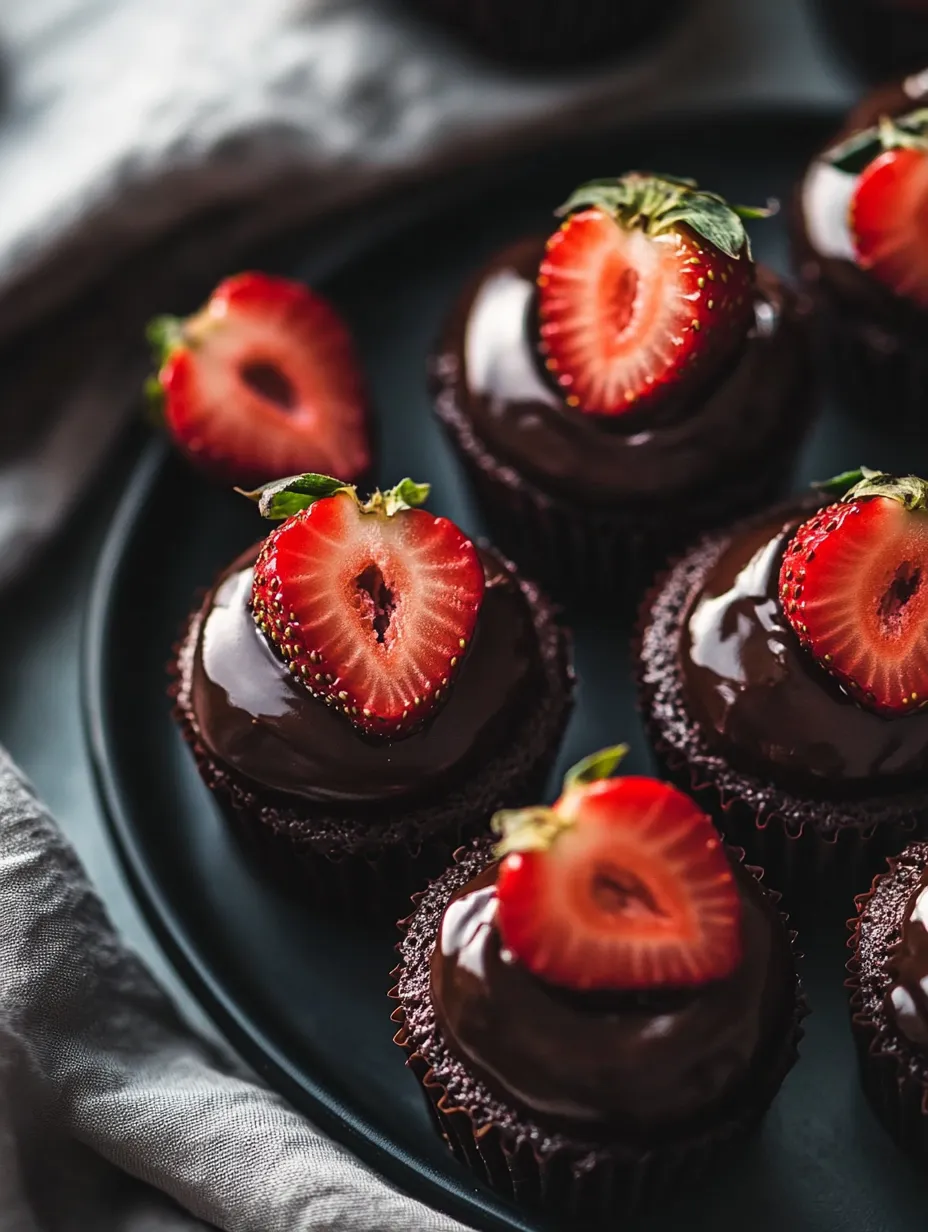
648,283
373,605
262,381
889,221
624,884
854,587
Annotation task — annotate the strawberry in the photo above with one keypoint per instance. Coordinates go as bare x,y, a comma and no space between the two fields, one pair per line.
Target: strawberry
372,605
889,221
623,884
647,284
854,587
262,381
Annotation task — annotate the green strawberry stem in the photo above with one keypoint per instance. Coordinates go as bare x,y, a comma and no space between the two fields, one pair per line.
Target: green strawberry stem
537,827
657,203
908,490
284,497
859,150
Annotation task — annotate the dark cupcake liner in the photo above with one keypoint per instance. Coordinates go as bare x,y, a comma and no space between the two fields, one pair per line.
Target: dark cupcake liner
893,1073
805,843
611,553
554,33
368,861
585,1182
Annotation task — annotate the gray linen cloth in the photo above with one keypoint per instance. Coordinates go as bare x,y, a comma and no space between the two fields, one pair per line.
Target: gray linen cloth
113,1117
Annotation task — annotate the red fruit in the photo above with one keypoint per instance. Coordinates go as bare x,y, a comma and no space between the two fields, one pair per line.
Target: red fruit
262,381
624,884
889,221
633,300
372,606
854,587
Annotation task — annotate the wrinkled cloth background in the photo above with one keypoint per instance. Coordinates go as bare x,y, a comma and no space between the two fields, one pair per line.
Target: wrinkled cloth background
145,145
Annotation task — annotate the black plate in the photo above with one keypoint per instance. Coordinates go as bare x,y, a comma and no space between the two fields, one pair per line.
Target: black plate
304,1002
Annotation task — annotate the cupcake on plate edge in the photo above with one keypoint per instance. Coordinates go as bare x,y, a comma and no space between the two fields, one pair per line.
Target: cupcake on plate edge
366,686
615,387
889,1007
860,251
602,1004
783,678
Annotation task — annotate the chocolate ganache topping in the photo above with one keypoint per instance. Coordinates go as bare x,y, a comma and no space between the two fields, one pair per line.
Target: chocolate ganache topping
604,1063
254,718
489,361
907,999
760,696
824,247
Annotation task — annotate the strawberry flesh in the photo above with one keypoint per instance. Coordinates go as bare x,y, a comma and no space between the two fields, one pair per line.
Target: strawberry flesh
373,613
264,381
637,893
627,317
854,586
889,221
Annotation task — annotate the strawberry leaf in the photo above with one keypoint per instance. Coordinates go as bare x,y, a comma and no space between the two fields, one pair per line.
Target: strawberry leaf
595,767
285,497
658,203
856,153
164,334
908,490
406,495
528,829
837,485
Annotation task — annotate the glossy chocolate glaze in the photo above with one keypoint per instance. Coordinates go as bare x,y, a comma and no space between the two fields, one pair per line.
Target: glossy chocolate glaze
907,998
628,1064
822,237
256,719
489,356
759,695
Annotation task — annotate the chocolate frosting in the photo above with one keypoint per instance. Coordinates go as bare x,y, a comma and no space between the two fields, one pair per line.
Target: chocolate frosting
824,247
907,998
633,1063
762,698
489,355
256,719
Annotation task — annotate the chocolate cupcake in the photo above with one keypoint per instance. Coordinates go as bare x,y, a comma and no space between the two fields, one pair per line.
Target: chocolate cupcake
559,34
604,1005
889,1008
366,686
881,37
621,385
783,680
858,243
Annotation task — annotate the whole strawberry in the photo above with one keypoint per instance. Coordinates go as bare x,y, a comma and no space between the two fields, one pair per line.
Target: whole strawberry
371,604
623,884
854,587
262,381
647,285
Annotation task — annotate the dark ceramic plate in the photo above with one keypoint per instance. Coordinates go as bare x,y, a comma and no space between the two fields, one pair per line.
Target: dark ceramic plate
305,1002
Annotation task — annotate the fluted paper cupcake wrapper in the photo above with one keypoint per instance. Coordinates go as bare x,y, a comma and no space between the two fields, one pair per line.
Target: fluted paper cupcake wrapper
584,1182
896,1093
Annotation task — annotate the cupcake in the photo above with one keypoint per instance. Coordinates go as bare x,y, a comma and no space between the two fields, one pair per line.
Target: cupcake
601,1006
783,678
881,37
889,1008
263,380
561,34
623,383
364,687
858,241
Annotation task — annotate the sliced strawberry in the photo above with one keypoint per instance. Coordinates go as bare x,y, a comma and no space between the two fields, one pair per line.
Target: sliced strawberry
373,606
854,587
889,221
623,885
634,299
263,381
